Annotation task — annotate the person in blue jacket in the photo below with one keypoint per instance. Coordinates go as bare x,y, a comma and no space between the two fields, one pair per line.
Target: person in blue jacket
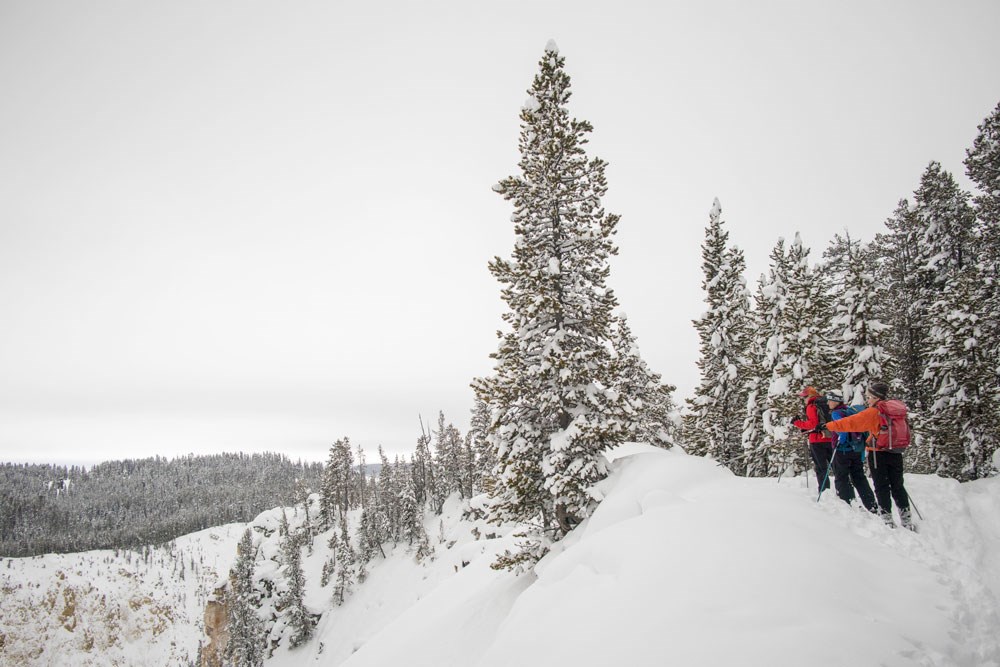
848,461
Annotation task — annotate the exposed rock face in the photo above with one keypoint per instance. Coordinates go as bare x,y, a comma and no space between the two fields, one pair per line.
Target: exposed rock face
116,608
217,629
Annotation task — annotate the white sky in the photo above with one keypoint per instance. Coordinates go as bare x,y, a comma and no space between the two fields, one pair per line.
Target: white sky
266,225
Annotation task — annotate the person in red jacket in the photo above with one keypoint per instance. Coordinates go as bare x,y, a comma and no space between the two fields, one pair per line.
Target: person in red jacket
820,443
884,462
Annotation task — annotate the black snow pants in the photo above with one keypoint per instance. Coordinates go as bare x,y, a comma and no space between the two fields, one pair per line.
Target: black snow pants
821,452
850,472
887,474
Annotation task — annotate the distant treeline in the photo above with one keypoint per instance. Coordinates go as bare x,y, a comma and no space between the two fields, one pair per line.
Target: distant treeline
125,504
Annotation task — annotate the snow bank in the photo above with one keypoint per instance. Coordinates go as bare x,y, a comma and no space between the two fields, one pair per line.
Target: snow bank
685,564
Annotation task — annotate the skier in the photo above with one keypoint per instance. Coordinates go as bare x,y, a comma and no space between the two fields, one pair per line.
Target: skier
888,435
820,443
848,463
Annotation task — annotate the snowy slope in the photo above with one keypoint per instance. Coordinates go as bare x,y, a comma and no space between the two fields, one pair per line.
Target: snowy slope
112,608
685,564
681,564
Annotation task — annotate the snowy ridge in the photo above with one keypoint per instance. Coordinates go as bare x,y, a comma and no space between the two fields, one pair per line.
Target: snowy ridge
685,564
682,563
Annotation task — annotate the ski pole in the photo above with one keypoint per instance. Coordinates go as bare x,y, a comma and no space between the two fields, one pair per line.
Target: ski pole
914,506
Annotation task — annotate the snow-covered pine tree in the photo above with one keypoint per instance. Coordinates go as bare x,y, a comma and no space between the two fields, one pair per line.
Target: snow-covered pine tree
857,335
470,473
374,528
944,259
345,559
792,349
553,406
389,493
302,497
762,427
423,469
759,458
808,316
360,480
246,630
336,490
982,165
645,391
299,620
713,424
449,462
963,423
484,454
788,325
903,306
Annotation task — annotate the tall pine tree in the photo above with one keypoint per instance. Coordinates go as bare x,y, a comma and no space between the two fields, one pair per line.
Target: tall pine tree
554,410
246,630
858,336
946,275
299,620
982,165
713,424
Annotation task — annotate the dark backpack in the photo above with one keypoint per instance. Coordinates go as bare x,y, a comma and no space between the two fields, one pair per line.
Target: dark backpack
823,412
894,430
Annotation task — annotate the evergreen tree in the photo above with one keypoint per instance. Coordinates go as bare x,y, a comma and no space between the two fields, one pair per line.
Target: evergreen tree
345,558
246,630
485,459
963,422
982,165
422,469
858,336
336,491
809,356
903,305
389,495
450,465
713,424
374,528
945,272
552,399
761,457
648,397
299,620
470,470
789,326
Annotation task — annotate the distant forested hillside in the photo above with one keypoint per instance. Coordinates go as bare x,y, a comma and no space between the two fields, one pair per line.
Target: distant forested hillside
120,504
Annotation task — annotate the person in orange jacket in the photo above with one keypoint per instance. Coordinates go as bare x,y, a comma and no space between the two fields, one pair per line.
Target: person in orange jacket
885,465
820,444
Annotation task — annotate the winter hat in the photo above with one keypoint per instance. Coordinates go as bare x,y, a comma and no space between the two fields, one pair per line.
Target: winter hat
879,390
808,392
834,396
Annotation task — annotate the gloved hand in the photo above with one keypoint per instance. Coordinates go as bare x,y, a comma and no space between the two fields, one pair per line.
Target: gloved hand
795,419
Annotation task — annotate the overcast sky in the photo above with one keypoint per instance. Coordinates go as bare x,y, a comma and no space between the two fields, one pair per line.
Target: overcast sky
266,225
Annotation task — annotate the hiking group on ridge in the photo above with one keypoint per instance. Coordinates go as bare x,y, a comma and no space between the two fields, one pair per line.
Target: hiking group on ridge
841,437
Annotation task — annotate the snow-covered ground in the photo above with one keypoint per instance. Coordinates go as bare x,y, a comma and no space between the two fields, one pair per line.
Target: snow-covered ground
682,564
685,564
101,608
